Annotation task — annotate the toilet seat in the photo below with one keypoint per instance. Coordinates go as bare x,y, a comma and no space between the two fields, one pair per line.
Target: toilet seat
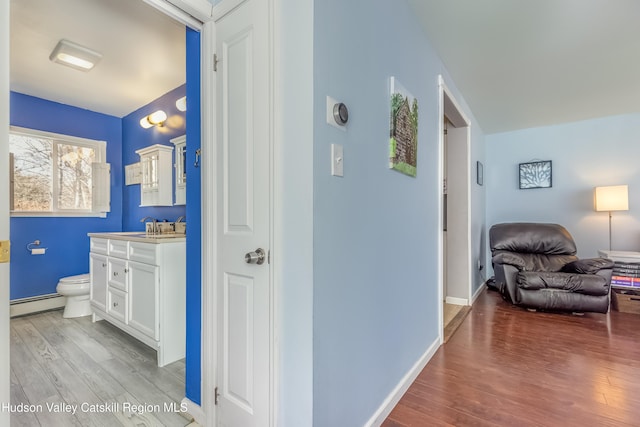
79,278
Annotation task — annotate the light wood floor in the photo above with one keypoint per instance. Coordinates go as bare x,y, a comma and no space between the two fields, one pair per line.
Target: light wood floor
449,312
95,366
506,366
453,316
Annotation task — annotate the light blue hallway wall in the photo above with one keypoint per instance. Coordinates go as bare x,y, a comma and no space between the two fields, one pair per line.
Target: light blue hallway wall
375,230
584,155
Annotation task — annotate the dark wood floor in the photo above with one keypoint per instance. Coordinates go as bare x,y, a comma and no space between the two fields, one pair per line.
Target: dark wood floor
506,366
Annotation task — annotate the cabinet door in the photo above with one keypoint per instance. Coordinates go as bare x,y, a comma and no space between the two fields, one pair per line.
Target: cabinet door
144,299
180,166
98,273
157,184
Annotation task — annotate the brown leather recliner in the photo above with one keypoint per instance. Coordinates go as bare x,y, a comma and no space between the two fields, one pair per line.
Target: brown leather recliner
536,266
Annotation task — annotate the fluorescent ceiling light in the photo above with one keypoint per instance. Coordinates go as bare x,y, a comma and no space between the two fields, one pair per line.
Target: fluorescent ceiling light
75,56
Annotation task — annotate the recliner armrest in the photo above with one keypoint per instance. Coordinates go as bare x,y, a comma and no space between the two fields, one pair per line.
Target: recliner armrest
510,258
587,265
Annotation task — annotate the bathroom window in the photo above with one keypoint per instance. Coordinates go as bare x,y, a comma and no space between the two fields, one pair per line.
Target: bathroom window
57,175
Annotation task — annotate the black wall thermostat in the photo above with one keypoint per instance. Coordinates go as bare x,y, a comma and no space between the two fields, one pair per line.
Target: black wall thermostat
340,114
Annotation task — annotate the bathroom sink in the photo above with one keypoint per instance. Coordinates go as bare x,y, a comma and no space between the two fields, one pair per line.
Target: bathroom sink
162,236
144,235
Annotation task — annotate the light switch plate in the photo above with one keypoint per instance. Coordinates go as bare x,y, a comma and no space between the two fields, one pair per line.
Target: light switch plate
337,160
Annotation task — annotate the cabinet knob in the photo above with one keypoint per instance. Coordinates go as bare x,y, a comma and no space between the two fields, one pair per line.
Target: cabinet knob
104,264
115,304
115,273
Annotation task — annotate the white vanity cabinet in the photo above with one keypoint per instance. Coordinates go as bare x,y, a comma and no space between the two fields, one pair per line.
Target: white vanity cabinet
144,299
180,169
98,272
138,285
156,188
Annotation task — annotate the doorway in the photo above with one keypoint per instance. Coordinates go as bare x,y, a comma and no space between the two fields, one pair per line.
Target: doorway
455,247
116,180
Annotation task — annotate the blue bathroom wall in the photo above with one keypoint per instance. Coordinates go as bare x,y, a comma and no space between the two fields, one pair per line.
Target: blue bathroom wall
135,137
194,235
65,238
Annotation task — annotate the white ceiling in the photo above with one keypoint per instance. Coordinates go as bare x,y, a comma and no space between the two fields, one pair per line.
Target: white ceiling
518,63
527,63
143,53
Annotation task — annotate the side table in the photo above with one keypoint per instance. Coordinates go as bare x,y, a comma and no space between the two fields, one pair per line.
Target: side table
625,286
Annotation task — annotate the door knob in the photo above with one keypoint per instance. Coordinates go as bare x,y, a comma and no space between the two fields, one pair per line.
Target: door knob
256,257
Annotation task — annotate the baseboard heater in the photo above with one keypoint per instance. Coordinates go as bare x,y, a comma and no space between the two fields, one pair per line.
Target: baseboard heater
23,306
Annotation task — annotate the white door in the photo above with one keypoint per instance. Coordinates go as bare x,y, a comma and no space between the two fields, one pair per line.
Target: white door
4,206
243,178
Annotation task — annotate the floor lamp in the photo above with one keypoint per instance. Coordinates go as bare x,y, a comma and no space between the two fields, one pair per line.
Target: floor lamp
611,198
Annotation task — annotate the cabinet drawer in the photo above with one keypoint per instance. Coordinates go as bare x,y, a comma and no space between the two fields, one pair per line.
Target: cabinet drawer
119,248
117,305
143,252
99,246
118,273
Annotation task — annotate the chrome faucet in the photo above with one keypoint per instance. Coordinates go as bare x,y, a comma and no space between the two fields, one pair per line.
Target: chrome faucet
182,228
155,225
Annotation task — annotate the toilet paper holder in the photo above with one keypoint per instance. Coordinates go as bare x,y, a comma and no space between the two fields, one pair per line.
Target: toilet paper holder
34,249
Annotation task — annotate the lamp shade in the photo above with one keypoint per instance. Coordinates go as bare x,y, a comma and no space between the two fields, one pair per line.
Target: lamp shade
612,198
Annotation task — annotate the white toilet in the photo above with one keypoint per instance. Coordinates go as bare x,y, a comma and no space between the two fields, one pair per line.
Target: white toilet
76,289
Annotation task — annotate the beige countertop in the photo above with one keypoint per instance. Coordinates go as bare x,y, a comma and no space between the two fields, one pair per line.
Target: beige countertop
140,236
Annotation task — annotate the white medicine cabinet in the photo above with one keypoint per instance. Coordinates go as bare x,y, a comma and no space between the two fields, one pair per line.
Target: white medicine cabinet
180,143
156,188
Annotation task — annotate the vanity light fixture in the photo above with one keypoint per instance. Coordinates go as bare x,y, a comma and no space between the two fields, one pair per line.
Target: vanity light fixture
156,118
181,104
75,56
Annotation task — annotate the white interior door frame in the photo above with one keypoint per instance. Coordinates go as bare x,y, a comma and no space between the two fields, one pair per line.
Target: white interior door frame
4,207
209,229
458,119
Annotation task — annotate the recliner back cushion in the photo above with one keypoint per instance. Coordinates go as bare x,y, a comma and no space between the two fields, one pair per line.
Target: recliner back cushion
533,238
533,262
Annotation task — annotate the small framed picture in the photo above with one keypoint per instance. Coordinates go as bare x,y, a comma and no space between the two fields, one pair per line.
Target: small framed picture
535,175
479,173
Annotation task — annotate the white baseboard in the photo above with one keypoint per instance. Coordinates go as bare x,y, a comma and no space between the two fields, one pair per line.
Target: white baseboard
195,411
396,394
456,301
29,306
478,292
